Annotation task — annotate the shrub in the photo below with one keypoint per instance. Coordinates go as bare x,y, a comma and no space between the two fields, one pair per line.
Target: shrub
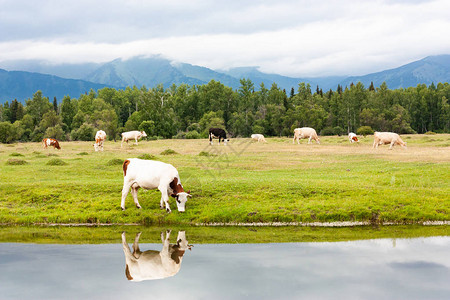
364,130
327,131
169,152
192,134
56,162
115,162
147,156
15,162
338,130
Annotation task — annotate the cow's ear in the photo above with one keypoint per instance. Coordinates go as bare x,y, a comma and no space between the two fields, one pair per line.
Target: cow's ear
189,191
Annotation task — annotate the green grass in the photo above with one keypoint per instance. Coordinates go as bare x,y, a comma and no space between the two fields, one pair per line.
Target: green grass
241,182
209,235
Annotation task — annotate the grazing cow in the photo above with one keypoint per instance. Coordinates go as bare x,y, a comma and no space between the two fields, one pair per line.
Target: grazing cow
50,142
100,137
151,264
383,138
132,135
149,175
352,137
258,137
218,133
304,133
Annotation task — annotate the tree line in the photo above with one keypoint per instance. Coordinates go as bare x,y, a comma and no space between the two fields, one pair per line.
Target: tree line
186,111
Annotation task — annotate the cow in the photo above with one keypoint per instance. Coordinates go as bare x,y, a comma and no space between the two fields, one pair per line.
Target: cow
383,138
149,175
352,137
151,264
50,142
305,133
100,137
258,137
132,135
218,133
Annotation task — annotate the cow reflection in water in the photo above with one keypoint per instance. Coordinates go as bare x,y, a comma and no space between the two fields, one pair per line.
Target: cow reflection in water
150,264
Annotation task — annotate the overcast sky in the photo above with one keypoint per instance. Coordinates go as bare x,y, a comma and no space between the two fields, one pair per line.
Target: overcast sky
292,38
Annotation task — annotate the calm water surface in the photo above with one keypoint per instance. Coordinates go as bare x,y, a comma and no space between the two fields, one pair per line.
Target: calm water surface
371,269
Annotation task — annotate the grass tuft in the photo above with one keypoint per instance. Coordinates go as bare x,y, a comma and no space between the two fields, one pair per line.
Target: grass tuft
115,162
16,154
16,161
169,152
205,153
147,156
56,162
83,153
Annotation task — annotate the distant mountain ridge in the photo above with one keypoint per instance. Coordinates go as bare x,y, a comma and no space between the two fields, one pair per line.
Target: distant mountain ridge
75,79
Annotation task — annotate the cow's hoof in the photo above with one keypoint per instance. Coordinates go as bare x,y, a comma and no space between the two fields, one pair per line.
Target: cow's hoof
168,210
123,208
138,206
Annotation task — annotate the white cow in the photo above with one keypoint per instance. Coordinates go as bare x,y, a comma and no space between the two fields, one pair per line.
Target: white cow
100,137
352,137
258,137
151,264
305,133
383,138
152,174
132,135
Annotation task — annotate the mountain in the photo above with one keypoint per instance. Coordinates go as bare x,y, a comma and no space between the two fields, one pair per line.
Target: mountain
22,85
425,71
151,71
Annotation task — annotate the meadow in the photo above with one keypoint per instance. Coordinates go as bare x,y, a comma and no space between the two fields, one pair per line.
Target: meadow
243,182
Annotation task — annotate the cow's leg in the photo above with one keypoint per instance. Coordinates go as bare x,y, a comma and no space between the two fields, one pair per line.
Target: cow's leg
134,192
165,241
375,144
309,140
136,141
210,139
392,145
165,196
136,251
125,190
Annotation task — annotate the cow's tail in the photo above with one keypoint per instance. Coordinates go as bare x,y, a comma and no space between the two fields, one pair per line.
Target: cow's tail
125,167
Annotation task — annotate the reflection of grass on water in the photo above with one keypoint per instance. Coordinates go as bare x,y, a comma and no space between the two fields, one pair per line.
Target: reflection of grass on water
241,182
216,235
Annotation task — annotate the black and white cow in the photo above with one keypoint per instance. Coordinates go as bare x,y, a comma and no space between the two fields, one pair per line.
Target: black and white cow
217,133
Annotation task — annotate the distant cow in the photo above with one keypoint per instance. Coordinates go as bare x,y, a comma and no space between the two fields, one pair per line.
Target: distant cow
352,137
217,133
100,137
151,264
383,138
50,142
149,175
305,133
258,137
132,135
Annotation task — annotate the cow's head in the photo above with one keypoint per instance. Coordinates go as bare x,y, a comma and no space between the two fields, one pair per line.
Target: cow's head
181,199
225,141
143,134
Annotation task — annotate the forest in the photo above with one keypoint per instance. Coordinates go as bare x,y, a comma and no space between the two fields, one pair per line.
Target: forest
186,111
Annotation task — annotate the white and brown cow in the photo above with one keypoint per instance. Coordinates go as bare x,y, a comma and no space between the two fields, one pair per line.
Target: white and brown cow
151,264
132,135
258,137
352,137
218,133
305,133
47,142
149,175
100,137
383,138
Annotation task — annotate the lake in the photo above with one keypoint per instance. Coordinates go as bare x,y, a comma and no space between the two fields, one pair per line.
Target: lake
386,268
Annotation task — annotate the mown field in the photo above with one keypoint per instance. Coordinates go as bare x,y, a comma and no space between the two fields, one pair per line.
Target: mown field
242,182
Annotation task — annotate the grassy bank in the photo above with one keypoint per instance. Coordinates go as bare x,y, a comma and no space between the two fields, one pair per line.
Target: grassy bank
241,182
212,235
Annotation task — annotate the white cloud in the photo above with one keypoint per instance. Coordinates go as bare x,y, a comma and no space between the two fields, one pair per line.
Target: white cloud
296,38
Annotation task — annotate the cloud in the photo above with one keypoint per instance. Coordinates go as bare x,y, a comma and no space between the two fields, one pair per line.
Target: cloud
296,38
